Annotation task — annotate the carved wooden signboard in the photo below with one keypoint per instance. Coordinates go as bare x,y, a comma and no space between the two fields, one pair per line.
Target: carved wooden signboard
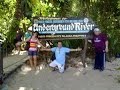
64,26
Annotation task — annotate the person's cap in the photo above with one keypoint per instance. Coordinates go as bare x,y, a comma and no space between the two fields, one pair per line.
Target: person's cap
96,30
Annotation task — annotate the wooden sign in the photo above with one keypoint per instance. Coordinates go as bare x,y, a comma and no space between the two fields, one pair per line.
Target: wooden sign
63,26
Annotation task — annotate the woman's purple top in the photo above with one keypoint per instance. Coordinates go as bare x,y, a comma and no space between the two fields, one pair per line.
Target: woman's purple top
99,42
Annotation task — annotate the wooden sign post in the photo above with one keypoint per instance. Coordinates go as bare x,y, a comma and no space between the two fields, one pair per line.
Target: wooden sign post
64,28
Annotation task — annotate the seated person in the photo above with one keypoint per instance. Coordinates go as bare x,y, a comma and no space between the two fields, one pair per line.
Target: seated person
18,40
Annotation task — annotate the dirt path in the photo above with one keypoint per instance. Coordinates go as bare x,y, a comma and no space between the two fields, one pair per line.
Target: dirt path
72,79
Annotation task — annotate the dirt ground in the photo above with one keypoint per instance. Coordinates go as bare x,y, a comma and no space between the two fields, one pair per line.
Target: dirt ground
72,79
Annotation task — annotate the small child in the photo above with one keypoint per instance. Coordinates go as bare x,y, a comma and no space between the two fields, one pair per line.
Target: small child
100,43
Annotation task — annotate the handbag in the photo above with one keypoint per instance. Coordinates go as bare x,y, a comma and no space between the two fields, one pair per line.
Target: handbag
27,46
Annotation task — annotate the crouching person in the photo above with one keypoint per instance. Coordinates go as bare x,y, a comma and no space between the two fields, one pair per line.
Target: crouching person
60,56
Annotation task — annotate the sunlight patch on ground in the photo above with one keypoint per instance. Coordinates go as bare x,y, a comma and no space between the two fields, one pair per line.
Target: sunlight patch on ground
80,64
22,53
37,72
42,66
81,69
39,68
25,69
15,52
24,88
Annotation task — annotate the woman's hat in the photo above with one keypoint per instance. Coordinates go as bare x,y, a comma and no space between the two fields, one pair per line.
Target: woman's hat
96,30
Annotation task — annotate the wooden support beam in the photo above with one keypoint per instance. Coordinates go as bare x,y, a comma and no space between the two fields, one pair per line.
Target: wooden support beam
59,38
84,52
72,50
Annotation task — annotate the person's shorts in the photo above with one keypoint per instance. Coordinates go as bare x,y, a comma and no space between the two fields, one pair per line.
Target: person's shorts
32,53
18,43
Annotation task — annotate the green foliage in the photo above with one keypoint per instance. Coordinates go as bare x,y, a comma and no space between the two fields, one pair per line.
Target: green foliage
7,9
44,9
26,7
24,23
15,14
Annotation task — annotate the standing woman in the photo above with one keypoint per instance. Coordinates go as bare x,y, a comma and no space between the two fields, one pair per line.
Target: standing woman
33,49
100,43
